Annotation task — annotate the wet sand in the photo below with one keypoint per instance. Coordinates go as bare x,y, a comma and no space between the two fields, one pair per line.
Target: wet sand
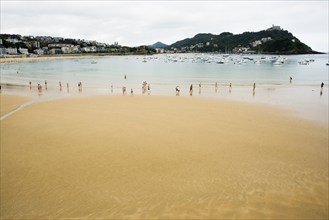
9,103
161,157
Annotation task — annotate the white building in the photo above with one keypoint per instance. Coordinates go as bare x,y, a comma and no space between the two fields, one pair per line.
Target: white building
274,27
256,43
159,50
76,49
39,51
12,51
23,51
55,51
265,39
2,50
66,49
89,49
59,45
36,44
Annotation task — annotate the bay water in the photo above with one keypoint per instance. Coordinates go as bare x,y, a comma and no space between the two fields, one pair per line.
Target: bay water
164,72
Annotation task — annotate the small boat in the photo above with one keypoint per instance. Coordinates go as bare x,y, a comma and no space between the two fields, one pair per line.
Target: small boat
279,61
327,63
303,62
93,62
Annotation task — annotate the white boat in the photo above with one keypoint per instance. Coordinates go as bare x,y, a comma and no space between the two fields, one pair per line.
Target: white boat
280,61
304,62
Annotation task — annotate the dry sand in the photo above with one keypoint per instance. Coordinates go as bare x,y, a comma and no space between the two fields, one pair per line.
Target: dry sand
161,157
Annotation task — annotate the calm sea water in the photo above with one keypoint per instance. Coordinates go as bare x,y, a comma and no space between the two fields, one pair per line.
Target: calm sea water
165,72
170,70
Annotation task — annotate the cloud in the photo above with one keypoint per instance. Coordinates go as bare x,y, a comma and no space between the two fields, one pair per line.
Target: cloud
145,22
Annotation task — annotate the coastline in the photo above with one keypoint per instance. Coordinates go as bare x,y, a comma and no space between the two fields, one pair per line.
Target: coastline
161,157
305,101
52,57
23,58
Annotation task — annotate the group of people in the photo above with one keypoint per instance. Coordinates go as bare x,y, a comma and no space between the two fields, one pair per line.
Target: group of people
147,88
60,87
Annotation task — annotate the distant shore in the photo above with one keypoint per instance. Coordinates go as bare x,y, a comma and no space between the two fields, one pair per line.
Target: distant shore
52,57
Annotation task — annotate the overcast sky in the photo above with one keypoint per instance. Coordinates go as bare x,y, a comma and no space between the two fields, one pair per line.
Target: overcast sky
135,23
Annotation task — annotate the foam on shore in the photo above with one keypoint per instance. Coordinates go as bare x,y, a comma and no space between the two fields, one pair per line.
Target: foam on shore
9,103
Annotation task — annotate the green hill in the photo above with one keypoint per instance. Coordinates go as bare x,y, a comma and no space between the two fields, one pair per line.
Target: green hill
274,41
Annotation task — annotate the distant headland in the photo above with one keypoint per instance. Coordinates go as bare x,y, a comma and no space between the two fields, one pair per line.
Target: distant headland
273,40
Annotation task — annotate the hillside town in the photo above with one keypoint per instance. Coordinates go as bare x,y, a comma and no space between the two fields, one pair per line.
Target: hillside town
18,45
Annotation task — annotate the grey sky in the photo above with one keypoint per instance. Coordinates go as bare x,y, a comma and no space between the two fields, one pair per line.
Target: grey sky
134,23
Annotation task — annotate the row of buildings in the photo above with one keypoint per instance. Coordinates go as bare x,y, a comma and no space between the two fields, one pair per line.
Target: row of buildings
45,45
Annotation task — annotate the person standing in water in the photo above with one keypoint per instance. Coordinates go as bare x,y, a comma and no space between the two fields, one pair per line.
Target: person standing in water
46,85
191,89
216,87
290,79
230,90
39,90
321,91
254,89
80,86
177,90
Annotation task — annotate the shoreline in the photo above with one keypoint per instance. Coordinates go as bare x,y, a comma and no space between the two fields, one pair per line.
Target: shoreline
161,157
314,106
15,101
53,57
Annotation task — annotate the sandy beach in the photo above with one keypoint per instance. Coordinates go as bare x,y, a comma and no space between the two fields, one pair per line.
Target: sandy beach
148,157
54,57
